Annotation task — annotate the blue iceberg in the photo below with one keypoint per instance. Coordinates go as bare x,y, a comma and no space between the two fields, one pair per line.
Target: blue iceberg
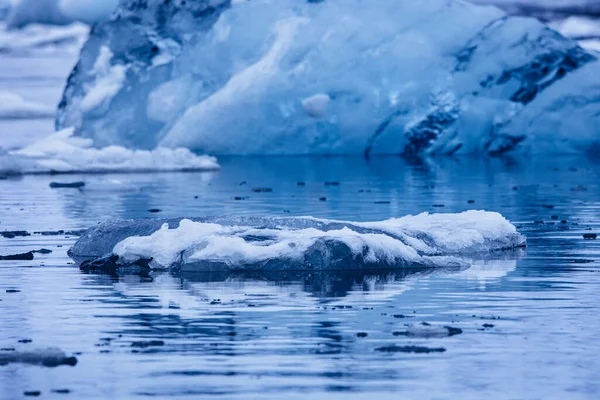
407,77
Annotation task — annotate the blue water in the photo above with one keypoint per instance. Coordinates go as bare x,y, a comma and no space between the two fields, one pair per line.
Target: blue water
274,336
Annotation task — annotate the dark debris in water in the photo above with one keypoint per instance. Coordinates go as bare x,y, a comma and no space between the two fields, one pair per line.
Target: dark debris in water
154,210
410,349
262,190
590,236
14,234
18,257
68,185
47,358
143,344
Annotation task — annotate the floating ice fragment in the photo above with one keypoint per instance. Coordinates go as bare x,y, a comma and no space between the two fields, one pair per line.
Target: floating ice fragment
242,243
62,152
13,106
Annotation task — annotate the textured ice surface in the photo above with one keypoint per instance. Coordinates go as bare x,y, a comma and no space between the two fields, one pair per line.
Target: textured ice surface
64,153
347,76
243,243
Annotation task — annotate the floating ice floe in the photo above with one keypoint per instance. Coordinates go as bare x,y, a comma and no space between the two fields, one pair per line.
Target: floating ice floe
263,244
13,106
64,153
332,77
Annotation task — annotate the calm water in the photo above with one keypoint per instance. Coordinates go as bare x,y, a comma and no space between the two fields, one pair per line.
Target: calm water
270,336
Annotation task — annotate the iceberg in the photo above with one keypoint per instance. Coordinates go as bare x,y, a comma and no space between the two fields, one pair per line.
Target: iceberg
294,244
407,77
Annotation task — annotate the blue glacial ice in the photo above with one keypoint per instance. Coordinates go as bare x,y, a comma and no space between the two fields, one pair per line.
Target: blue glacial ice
247,243
332,77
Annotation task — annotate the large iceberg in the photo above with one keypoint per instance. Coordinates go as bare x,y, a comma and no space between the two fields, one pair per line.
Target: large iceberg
332,77
246,243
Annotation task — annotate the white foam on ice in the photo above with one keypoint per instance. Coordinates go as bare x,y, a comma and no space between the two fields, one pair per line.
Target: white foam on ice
65,153
13,106
421,240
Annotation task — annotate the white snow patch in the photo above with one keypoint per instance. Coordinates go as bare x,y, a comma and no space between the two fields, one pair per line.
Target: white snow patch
65,153
109,80
423,239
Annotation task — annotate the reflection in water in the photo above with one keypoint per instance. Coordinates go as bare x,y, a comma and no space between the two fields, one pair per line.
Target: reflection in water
527,318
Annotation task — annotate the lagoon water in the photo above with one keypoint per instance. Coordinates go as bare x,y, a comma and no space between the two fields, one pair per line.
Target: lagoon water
301,335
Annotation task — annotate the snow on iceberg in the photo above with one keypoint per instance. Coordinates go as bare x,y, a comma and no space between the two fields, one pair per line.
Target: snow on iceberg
243,243
64,153
333,77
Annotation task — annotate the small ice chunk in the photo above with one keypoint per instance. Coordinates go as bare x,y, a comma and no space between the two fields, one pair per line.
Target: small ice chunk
316,106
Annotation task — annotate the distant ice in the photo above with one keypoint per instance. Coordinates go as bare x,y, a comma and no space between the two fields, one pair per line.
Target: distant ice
20,13
35,37
64,153
230,243
13,106
25,12
87,11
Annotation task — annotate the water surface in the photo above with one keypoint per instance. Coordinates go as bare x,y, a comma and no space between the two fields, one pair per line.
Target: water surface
300,335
